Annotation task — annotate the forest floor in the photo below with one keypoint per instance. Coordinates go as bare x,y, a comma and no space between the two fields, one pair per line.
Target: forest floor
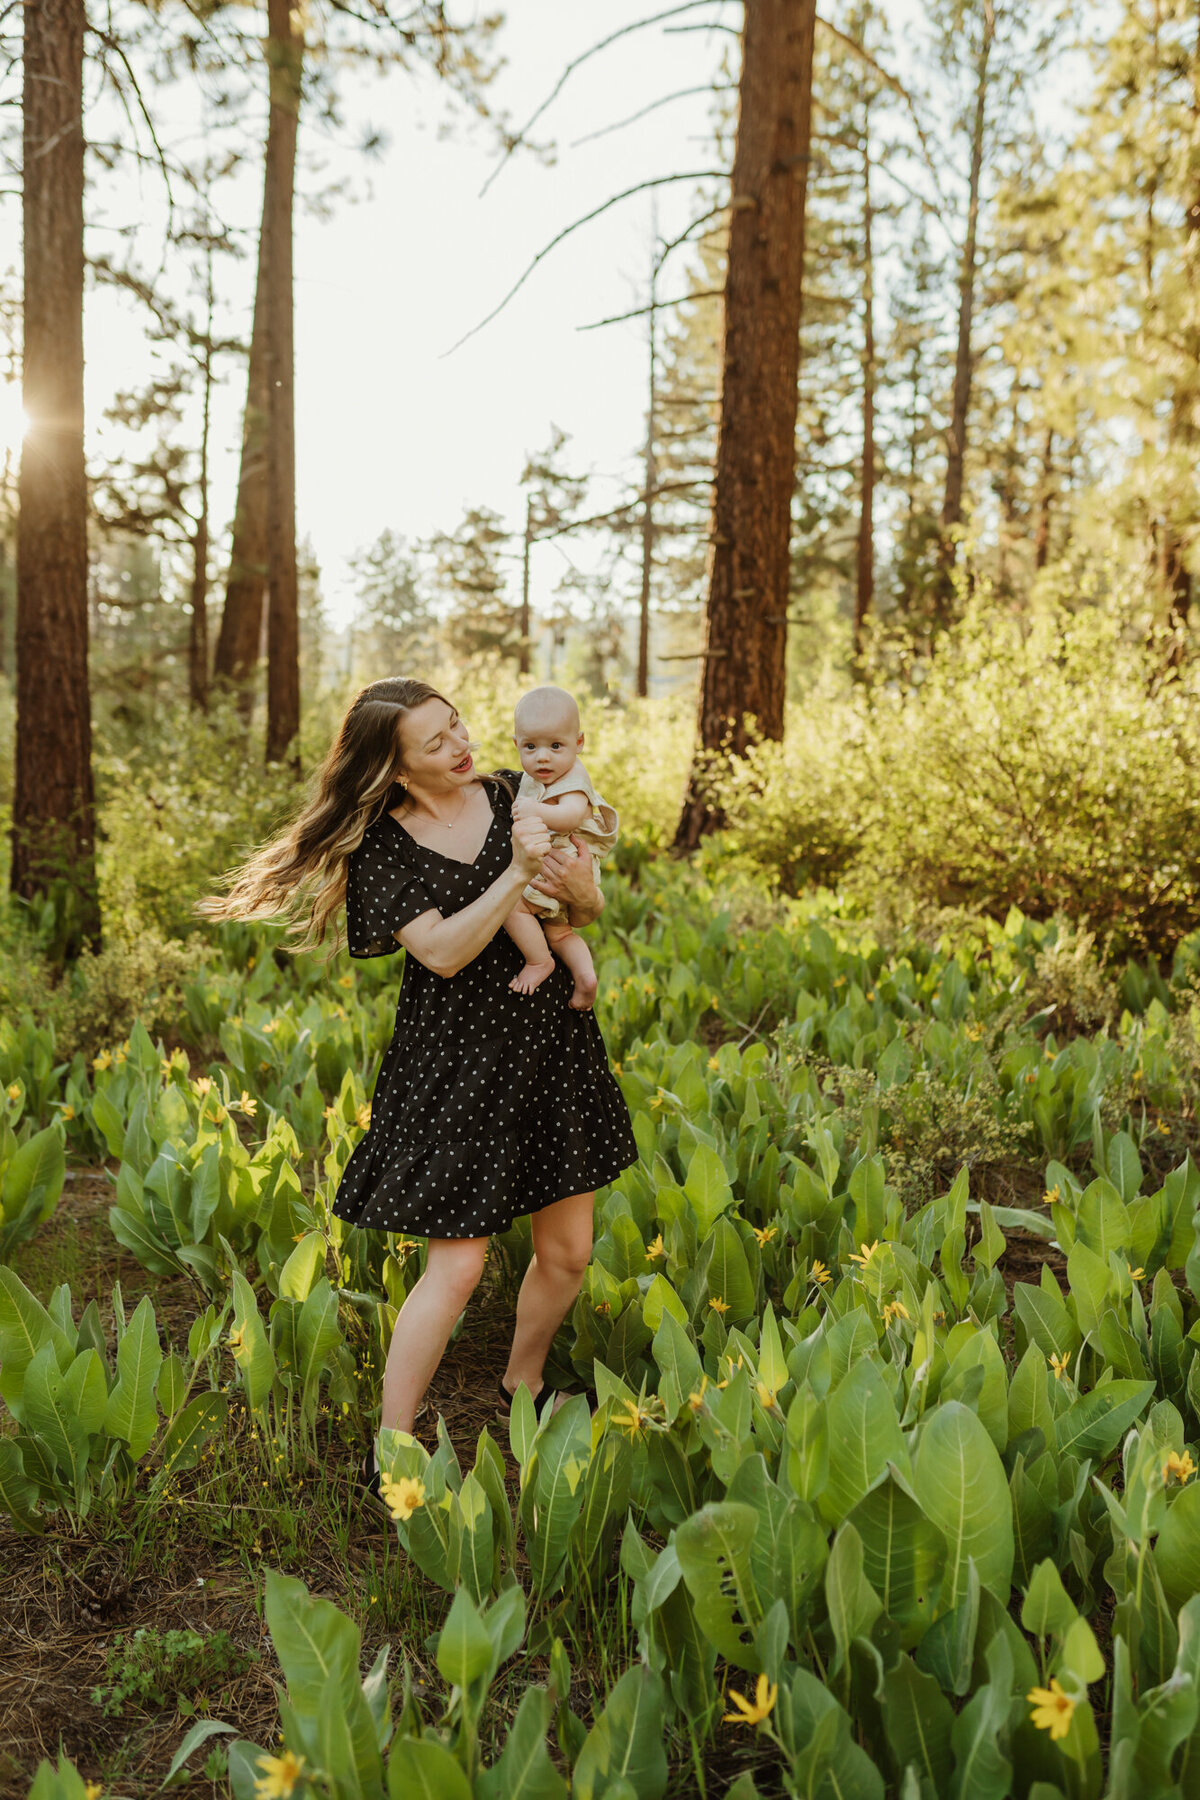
193,1563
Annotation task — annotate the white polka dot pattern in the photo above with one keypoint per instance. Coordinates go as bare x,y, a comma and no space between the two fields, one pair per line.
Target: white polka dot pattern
488,1104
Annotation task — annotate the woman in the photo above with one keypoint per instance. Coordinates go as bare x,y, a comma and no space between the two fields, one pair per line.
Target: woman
488,1103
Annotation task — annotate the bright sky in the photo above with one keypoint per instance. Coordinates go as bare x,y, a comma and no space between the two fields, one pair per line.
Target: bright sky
392,431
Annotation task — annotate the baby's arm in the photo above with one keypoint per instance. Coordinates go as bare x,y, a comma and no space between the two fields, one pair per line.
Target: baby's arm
566,812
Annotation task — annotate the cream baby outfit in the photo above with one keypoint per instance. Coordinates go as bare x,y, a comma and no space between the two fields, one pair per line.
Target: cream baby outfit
598,831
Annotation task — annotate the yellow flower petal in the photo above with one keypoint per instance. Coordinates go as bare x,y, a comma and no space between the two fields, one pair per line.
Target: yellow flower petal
1052,1709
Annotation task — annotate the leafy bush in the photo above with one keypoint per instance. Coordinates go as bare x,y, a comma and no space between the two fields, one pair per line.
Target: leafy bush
1037,764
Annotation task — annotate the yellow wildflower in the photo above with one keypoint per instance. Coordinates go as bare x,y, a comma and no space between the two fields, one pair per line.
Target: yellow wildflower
766,1394
895,1309
764,1233
819,1273
68,1112
864,1253
752,1714
403,1496
219,1115
635,1419
696,1398
122,1052
1136,1274
246,1104
345,981
1181,1467
656,1248
974,1032
92,1790
14,1092
1162,1126
617,1069
279,1775
103,1061
1059,1364
1049,1053
202,1084
362,1117
235,1338
713,1063
602,1306
718,1305
331,1112
1052,1709
269,1026
1031,1075
1051,1197
659,1098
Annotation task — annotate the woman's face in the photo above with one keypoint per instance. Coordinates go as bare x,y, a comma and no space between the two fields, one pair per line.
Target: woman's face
435,747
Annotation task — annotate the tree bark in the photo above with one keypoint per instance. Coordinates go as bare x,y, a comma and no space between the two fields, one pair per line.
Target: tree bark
246,585
526,619
956,434
649,484
745,631
864,593
285,55
198,635
1041,540
53,831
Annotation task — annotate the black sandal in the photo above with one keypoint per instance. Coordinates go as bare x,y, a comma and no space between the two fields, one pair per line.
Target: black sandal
506,1399
366,1479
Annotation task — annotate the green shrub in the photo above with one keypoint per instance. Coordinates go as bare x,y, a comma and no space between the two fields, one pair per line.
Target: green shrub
1037,764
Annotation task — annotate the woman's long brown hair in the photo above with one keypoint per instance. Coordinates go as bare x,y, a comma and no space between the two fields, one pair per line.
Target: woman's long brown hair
300,876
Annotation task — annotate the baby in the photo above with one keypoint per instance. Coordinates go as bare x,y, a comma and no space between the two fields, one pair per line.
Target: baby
555,788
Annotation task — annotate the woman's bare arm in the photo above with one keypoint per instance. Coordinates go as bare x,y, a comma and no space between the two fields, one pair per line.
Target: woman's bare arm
447,945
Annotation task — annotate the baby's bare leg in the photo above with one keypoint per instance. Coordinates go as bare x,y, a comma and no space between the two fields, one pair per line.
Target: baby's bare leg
524,928
574,952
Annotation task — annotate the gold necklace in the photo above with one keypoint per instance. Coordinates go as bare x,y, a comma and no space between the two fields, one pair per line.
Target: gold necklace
451,823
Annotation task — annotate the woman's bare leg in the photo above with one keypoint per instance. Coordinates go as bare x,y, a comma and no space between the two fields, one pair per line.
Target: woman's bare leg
424,1323
562,1248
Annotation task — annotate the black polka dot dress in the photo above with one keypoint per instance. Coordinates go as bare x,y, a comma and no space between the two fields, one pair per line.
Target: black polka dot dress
488,1104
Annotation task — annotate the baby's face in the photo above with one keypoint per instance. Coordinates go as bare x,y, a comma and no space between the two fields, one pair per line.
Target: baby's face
547,746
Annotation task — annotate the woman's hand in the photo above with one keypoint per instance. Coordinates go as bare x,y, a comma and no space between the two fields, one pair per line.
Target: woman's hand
530,846
569,880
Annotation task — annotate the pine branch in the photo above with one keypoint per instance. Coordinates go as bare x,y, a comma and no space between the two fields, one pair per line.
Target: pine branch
705,87
577,62
613,200
640,312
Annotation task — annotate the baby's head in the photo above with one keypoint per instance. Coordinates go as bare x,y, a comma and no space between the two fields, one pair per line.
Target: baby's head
547,733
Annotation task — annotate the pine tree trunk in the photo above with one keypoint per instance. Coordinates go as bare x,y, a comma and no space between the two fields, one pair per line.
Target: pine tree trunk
53,829
526,617
649,483
245,589
198,635
285,54
956,435
745,633
1041,541
864,593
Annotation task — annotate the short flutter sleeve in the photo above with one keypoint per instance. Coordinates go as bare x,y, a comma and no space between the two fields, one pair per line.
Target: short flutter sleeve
384,891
